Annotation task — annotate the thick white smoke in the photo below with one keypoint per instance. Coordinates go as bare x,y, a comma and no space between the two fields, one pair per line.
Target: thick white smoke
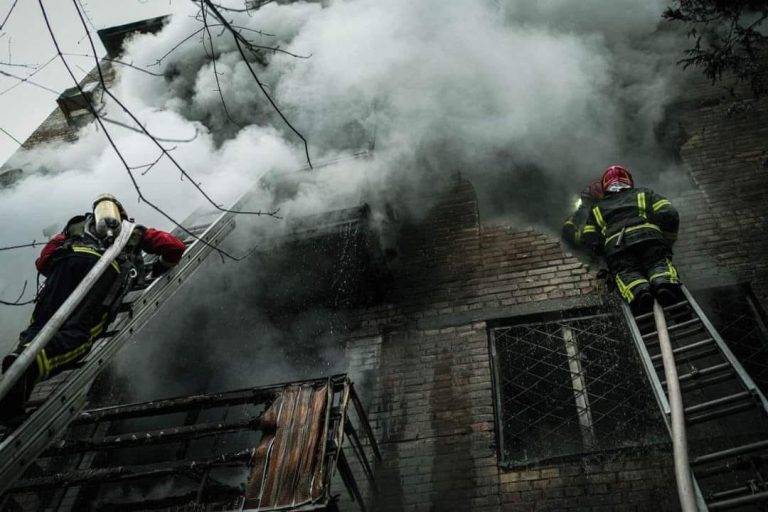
528,99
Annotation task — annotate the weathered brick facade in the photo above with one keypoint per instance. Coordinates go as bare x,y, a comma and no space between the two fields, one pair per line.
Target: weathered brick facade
422,360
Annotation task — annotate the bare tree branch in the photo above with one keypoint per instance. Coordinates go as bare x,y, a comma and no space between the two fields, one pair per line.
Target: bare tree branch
8,15
23,80
115,61
125,109
27,81
33,243
239,42
177,45
129,127
18,302
213,61
7,133
120,156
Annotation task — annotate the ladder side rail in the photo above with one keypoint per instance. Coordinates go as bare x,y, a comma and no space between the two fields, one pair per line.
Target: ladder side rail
656,386
685,489
747,381
28,441
650,370
52,326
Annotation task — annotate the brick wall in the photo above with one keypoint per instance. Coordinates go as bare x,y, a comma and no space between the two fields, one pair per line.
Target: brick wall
422,359
422,364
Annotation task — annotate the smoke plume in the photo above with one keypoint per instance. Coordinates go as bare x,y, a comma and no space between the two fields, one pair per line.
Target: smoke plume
529,100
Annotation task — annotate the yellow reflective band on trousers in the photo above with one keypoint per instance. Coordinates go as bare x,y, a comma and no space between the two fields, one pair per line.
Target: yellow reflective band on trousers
83,249
658,205
46,365
599,218
626,289
670,273
641,205
647,225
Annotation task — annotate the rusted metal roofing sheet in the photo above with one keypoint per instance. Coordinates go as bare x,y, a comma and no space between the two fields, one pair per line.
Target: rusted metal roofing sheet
287,465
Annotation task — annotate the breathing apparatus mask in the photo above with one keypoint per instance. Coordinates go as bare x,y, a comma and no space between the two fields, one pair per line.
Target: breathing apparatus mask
108,214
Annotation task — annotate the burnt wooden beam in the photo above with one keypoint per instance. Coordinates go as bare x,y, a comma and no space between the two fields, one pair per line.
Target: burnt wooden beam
151,437
124,473
180,404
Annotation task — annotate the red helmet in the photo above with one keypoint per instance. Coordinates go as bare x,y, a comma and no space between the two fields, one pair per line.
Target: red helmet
616,174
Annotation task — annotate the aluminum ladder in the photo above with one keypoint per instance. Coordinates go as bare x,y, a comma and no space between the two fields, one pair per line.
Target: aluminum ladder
67,398
725,414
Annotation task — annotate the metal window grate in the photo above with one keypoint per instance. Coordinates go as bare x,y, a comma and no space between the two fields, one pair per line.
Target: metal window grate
567,387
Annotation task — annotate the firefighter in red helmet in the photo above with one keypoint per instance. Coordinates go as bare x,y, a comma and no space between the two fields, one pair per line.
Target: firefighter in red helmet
634,229
64,261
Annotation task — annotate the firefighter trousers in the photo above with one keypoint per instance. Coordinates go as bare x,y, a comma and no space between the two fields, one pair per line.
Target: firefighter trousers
642,268
75,337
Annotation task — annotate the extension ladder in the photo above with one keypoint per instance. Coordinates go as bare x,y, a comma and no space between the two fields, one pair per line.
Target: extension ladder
725,413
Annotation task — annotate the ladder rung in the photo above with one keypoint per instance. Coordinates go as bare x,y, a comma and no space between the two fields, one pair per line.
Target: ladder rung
666,310
737,502
717,402
736,491
730,452
678,337
708,416
706,371
675,327
702,383
686,348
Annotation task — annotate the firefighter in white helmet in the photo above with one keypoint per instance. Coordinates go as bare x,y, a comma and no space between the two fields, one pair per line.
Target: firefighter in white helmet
65,261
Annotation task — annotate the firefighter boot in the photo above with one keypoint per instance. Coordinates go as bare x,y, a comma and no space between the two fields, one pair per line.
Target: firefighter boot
643,303
668,293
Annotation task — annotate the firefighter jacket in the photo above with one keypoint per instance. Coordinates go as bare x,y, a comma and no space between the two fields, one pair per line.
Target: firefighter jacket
573,226
629,217
75,238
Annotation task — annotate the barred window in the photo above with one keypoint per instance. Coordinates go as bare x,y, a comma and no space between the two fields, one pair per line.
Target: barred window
568,387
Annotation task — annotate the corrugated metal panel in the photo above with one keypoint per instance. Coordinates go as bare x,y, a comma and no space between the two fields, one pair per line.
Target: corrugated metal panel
287,465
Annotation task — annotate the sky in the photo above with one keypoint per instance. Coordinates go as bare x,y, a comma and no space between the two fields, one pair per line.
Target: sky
26,41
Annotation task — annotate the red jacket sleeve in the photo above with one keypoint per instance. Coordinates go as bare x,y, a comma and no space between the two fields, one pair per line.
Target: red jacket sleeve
43,262
165,244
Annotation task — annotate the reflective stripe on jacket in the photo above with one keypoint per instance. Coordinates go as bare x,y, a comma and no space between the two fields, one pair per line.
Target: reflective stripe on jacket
639,213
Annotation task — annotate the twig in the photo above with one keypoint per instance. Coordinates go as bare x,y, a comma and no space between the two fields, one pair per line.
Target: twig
27,81
115,61
33,243
7,133
215,71
129,127
183,172
177,45
238,37
23,80
10,11
18,302
11,64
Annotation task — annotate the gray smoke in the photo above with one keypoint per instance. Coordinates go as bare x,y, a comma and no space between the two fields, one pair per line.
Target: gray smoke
529,100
